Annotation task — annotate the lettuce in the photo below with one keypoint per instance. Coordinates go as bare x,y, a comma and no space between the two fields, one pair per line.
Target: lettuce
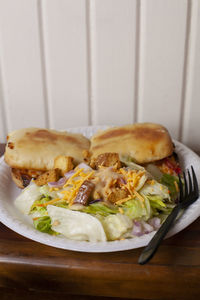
76,225
62,204
99,208
116,225
158,206
154,171
135,209
43,224
156,201
27,197
41,201
45,191
35,208
38,211
153,205
128,161
155,189
168,180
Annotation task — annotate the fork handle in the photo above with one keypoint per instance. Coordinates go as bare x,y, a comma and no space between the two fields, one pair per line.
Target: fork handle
150,250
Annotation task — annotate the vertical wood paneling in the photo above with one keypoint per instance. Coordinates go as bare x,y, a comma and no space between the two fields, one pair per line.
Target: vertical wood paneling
163,34
20,63
113,48
71,63
65,47
191,120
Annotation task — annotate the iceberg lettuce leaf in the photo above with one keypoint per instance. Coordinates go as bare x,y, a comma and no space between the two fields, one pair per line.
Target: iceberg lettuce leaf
45,191
128,161
100,208
156,189
169,181
135,209
158,205
76,225
116,225
27,197
43,224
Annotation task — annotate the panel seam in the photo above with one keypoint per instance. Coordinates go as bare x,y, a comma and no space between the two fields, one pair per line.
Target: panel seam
137,59
43,63
89,62
185,69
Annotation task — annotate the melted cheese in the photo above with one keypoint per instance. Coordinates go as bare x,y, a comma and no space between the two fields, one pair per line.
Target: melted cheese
105,179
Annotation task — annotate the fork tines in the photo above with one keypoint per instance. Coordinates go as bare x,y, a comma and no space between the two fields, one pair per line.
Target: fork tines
188,188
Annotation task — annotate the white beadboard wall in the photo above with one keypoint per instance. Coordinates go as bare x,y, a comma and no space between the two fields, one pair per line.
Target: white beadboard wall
68,63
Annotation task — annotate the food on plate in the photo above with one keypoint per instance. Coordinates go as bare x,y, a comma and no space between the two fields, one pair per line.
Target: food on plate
115,193
63,163
107,159
146,144
76,225
32,151
143,142
48,176
105,204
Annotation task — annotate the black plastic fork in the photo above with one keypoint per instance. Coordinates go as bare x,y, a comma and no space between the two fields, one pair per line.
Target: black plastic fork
188,194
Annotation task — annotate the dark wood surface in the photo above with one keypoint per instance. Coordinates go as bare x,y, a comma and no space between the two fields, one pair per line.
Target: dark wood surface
29,270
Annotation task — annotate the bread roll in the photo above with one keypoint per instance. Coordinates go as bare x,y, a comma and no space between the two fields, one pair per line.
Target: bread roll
143,142
37,148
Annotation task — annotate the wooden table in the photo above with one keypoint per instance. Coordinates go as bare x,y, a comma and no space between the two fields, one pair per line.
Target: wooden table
29,270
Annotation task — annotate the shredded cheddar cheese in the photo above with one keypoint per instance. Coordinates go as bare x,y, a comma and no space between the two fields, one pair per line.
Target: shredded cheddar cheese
49,202
69,195
132,179
119,202
139,196
69,181
121,210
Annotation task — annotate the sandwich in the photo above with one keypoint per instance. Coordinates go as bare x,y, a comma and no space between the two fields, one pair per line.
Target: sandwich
43,154
146,144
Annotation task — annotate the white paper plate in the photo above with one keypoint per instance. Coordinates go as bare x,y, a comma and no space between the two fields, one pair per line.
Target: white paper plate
22,224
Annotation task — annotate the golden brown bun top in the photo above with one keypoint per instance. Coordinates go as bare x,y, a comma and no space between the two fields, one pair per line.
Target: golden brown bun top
36,148
144,142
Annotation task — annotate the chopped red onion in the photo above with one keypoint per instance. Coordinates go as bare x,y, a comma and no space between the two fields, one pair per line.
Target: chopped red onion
69,174
140,228
137,228
127,168
110,168
94,201
147,228
58,183
122,180
155,222
137,223
84,166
